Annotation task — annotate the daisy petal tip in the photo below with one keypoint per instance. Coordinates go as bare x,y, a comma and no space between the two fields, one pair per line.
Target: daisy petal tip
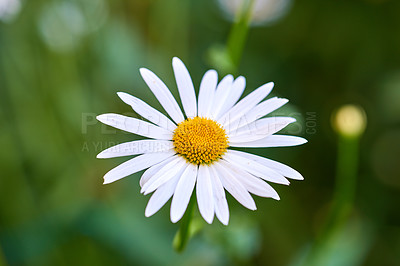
148,212
146,192
176,60
175,219
106,181
223,220
241,79
178,65
276,197
283,100
100,156
213,72
298,177
148,189
144,71
122,95
104,118
301,142
252,206
100,118
209,220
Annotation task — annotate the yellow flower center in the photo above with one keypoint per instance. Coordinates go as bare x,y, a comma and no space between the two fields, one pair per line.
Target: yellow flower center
200,140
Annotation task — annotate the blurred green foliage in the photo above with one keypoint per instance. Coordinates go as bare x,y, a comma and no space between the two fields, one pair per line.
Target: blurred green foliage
61,64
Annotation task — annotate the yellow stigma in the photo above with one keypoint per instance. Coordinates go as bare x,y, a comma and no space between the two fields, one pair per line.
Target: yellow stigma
200,140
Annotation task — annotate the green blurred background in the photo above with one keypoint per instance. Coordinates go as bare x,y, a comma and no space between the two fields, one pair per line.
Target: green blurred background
61,64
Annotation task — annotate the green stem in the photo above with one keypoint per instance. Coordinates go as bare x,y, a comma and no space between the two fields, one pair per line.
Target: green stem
184,233
345,188
346,178
238,34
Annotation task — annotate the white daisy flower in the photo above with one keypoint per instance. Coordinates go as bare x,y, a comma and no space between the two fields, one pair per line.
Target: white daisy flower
192,149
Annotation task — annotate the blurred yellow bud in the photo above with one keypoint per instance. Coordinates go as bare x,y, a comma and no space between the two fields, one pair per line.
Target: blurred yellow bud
349,120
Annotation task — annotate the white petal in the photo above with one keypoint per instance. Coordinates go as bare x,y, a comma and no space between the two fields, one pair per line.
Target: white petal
135,126
204,192
234,187
221,93
136,147
162,195
207,91
257,112
167,172
147,111
136,164
254,167
183,192
259,129
246,104
234,94
271,141
274,165
185,87
220,203
163,95
153,170
253,184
